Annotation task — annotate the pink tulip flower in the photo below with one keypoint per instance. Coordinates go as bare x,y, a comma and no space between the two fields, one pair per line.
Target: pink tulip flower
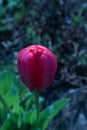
37,66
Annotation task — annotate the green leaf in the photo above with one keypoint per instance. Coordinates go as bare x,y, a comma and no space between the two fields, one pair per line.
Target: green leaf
30,116
10,123
19,122
3,115
51,111
6,124
6,81
11,99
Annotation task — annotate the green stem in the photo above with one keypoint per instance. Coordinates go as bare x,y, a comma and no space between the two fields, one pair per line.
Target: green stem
36,95
4,103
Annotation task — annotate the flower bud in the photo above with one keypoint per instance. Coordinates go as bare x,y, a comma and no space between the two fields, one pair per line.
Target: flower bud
37,66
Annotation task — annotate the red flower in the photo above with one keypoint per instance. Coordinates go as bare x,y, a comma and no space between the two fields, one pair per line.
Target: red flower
37,67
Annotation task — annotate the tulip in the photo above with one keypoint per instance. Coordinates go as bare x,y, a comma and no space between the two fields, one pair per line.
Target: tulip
37,66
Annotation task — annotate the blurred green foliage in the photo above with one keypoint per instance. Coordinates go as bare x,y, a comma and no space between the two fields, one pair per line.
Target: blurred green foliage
17,109
7,14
